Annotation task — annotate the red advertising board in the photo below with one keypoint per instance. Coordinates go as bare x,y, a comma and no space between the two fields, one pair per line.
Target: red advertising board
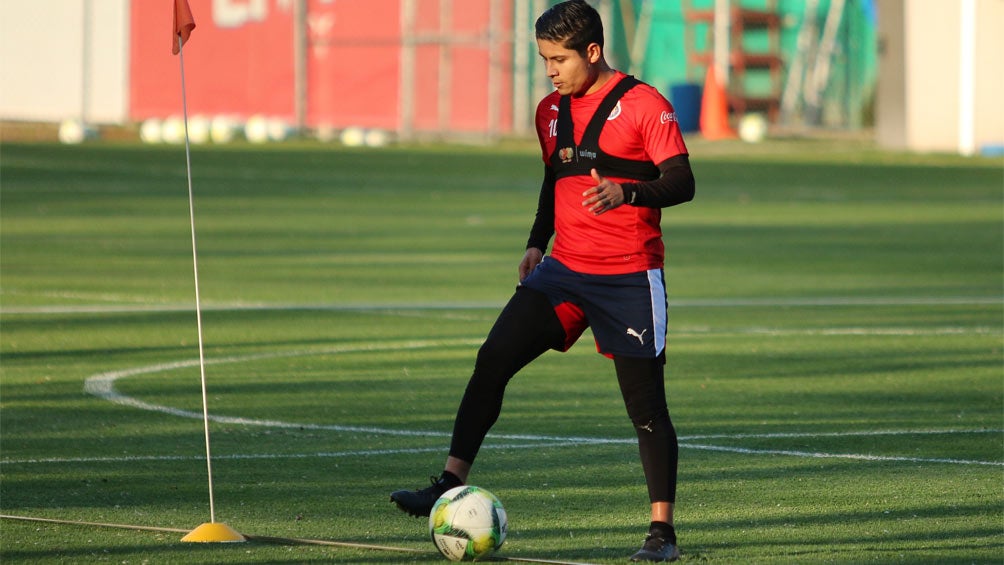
237,61
240,61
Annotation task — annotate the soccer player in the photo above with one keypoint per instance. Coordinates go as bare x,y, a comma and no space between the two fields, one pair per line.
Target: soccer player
613,158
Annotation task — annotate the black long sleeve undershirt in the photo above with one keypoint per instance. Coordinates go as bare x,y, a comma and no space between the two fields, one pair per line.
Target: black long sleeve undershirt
543,222
675,185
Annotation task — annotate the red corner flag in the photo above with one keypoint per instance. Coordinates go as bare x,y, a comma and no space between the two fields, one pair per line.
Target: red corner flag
184,23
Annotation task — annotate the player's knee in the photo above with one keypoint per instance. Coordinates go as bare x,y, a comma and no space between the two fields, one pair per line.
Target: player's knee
491,355
492,367
652,420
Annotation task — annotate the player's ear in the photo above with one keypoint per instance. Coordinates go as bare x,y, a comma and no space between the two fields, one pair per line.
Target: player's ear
594,53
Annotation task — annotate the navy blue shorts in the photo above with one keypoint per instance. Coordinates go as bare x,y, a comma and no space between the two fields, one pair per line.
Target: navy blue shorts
627,313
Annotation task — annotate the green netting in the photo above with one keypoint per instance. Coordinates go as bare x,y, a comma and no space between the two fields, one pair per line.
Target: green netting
847,97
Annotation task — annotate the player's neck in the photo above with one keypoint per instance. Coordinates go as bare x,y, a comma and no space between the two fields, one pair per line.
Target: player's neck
603,74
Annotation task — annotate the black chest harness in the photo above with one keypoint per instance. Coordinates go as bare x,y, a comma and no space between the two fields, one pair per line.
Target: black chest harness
570,159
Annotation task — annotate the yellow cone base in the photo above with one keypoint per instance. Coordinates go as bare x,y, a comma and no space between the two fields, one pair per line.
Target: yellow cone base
213,532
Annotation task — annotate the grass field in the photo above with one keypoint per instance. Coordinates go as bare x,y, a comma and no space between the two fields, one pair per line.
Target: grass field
835,358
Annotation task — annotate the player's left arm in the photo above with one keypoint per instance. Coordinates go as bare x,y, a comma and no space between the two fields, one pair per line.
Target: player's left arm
664,145
675,185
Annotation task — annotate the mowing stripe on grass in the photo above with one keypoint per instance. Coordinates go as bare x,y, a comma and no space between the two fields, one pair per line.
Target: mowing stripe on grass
142,305
180,531
320,454
279,540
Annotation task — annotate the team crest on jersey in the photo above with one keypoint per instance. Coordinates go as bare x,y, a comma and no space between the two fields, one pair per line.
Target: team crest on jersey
566,154
615,112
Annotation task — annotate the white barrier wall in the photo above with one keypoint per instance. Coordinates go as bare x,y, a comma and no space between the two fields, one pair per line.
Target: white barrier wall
64,59
941,75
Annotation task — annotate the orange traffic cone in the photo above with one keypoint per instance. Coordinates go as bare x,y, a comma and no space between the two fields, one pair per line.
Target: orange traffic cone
715,109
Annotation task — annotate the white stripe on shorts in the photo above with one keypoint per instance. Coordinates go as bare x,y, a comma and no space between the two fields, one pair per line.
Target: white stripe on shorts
657,290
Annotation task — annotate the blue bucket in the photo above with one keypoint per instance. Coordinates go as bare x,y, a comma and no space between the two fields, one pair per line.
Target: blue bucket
686,100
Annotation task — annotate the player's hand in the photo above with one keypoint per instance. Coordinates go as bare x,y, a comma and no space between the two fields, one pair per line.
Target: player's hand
531,259
606,195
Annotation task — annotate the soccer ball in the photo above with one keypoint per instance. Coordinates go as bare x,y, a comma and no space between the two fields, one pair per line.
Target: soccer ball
467,522
353,137
753,128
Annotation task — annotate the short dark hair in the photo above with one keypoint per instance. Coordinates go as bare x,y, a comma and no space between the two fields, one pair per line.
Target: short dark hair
574,24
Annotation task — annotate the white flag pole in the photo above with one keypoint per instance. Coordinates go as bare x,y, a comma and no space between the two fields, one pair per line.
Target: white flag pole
212,531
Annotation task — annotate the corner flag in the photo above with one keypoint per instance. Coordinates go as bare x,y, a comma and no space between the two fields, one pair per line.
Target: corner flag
211,531
184,23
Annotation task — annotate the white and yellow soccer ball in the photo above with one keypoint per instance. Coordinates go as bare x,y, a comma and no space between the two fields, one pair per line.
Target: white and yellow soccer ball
467,523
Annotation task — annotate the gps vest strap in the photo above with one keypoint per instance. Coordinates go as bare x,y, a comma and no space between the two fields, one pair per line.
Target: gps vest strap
570,159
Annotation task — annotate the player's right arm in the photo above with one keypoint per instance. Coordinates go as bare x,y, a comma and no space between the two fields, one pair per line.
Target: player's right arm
531,259
543,226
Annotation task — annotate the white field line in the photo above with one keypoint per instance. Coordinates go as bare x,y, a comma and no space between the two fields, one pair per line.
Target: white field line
848,331
552,443
102,385
545,444
141,305
859,457
863,433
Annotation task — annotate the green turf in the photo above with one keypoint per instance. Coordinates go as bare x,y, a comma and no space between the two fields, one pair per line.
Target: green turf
835,367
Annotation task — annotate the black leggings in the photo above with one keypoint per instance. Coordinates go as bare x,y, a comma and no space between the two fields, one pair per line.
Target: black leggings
526,328
644,390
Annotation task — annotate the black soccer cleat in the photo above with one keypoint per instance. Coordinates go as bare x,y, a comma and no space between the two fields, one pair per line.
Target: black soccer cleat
420,502
656,549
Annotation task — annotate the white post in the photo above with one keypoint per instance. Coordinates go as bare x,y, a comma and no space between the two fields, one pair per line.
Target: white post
445,76
300,50
639,44
521,78
541,84
967,77
722,25
406,89
494,68
85,66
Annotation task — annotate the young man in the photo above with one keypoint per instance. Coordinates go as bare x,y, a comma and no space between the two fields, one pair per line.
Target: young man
613,157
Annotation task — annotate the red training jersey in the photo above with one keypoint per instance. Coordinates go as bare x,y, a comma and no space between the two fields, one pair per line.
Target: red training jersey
627,239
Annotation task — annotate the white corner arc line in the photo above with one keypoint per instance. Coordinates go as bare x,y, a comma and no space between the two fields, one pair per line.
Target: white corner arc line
102,385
